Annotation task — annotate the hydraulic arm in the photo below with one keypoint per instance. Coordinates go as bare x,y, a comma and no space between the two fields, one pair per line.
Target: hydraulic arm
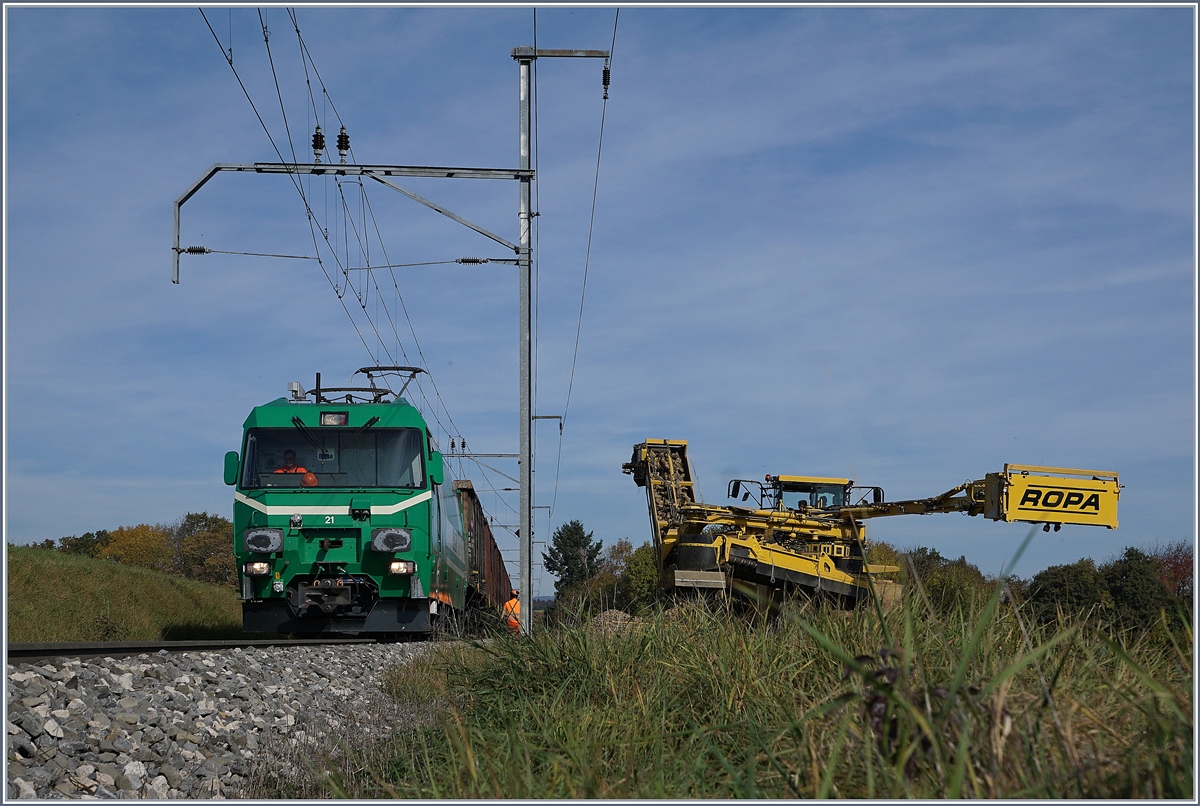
1028,493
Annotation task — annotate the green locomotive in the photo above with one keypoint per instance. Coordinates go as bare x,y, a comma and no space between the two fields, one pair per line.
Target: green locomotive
345,521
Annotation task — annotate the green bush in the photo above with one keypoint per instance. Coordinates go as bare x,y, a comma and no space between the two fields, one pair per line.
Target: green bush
1076,588
1128,591
1137,594
951,585
624,578
638,588
881,553
89,544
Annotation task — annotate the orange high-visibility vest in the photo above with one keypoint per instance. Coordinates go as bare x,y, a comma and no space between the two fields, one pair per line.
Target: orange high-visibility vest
296,469
512,610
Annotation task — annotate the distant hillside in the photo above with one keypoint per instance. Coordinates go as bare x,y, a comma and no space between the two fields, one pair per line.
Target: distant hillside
54,596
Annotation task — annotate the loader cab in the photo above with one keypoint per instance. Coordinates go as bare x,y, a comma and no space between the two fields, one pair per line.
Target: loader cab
809,492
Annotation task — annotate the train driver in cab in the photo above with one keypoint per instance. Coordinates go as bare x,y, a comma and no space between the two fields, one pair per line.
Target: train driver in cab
289,463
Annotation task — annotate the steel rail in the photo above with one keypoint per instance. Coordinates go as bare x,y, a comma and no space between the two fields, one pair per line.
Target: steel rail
38,651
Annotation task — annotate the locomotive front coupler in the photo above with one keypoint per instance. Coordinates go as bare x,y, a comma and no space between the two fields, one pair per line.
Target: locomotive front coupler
345,594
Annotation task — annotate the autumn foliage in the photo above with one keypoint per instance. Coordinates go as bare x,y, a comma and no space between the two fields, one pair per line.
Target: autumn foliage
143,545
203,549
199,546
1176,568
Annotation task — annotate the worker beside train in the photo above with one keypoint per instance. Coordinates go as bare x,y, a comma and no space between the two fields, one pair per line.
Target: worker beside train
512,612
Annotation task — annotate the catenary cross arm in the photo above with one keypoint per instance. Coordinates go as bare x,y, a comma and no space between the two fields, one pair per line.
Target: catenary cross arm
373,171
438,208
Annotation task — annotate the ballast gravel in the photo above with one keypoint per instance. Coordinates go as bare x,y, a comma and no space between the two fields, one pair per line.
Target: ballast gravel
187,725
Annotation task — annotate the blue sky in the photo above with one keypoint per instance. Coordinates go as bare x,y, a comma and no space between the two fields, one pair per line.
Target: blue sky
900,245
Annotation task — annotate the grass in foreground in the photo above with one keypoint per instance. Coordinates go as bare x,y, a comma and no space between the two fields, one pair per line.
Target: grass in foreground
701,702
54,596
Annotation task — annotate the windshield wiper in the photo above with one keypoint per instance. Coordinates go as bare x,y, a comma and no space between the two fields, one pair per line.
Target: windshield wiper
357,436
304,432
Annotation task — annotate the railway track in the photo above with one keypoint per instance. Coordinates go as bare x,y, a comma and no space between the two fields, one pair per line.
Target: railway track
29,652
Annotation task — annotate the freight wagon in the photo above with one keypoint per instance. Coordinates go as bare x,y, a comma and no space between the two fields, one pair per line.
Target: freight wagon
489,583
346,522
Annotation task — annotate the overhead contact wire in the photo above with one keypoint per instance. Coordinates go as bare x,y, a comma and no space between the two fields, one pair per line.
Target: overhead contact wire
278,93
308,59
345,207
299,188
324,236
586,260
325,95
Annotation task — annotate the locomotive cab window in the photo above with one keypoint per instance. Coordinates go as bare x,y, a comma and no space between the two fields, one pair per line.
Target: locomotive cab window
335,457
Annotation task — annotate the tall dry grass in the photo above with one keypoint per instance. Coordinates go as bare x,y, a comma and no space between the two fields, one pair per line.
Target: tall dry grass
702,700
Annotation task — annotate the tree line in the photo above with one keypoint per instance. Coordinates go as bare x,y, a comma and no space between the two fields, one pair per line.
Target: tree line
198,546
594,577
1130,591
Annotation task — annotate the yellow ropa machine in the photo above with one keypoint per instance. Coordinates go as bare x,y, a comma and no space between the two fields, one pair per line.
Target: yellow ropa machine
807,532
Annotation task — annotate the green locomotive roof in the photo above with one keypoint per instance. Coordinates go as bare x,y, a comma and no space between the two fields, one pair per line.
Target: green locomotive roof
279,413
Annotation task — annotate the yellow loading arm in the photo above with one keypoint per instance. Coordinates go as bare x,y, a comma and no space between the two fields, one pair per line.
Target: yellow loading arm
1021,493
662,467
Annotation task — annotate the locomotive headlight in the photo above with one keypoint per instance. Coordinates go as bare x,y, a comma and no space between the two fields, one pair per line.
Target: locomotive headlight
389,540
258,569
406,567
263,541
297,521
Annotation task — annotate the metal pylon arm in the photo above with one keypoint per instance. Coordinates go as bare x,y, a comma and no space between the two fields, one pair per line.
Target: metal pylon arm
374,171
438,208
